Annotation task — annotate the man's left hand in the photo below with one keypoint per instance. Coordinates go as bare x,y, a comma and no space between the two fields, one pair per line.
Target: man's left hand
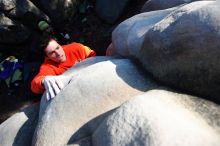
53,85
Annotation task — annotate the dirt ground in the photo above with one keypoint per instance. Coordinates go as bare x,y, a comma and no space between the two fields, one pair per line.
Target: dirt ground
86,28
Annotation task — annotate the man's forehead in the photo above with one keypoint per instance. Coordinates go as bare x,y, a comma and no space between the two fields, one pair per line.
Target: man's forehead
52,45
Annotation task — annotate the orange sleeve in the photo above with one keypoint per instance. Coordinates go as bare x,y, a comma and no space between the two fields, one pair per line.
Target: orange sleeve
36,85
89,52
84,50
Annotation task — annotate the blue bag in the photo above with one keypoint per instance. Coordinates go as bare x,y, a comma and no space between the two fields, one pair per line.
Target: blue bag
9,66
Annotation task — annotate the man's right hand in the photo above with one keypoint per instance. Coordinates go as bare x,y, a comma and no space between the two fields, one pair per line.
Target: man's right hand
110,50
52,85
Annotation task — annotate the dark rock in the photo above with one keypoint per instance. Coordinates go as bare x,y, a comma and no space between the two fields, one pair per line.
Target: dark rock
110,10
11,31
18,8
59,11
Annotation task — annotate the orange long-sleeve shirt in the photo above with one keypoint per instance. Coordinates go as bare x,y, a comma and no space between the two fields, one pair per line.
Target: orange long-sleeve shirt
75,52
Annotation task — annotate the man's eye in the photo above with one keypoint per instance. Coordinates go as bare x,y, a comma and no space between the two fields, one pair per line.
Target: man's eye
51,53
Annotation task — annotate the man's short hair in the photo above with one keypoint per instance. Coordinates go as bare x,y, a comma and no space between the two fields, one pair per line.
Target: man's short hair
45,39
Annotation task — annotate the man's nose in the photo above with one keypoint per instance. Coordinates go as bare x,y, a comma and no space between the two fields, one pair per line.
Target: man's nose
57,53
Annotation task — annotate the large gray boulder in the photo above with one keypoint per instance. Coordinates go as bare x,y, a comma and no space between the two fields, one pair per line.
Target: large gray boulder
93,90
152,5
90,111
128,36
161,118
110,10
182,50
11,31
18,130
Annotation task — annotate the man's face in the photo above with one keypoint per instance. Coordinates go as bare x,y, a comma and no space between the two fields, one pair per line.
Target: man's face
55,52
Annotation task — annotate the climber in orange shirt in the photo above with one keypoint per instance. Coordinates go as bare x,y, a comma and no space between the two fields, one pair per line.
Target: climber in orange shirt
57,60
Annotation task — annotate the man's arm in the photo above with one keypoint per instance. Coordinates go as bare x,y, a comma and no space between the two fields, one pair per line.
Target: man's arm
83,50
47,80
110,51
89,52
36,84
